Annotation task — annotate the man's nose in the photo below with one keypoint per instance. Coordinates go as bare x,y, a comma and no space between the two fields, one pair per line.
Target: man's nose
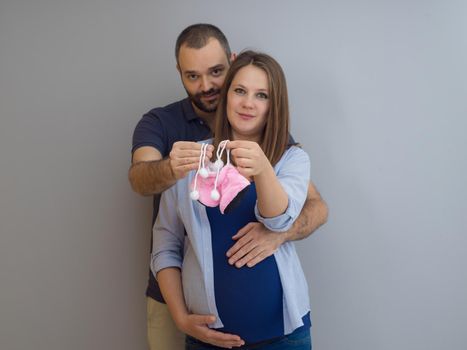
205,84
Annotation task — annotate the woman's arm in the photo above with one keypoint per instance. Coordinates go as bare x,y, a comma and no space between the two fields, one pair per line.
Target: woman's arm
272,199
281,195
251,162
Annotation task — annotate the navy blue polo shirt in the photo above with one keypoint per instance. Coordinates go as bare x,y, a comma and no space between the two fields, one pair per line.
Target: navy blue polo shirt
161,128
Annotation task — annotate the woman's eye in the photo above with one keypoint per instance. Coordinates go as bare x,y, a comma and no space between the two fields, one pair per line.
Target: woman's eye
262,95
239,91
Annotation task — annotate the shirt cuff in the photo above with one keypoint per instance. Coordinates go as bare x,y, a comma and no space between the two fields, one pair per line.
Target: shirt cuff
279,223
162,262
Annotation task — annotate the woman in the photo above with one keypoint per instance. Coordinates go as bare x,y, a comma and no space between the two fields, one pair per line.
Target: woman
266,305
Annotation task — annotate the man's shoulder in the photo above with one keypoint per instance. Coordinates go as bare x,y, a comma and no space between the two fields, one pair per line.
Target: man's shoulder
170,112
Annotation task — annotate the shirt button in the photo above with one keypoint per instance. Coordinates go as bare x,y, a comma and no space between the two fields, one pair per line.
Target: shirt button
201,122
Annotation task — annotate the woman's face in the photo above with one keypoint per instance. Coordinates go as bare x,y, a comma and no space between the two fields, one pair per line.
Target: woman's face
248,103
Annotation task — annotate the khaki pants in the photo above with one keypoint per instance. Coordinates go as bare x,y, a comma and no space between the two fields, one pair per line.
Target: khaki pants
163,334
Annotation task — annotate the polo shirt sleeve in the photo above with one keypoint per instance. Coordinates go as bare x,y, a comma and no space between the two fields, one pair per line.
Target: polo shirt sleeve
151,131
167,235
293,173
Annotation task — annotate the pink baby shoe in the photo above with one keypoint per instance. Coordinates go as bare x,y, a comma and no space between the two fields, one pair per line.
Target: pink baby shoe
215,183
203,182
233,185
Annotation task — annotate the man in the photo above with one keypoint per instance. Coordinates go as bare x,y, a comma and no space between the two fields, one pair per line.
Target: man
164,150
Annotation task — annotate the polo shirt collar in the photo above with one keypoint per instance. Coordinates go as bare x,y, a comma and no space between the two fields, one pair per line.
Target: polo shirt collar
188,111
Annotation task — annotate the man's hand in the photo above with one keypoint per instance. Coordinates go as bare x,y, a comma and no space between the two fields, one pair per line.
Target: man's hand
184,157
254,244
197,327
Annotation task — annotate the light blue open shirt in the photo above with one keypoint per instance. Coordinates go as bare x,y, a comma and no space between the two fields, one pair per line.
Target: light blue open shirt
193,255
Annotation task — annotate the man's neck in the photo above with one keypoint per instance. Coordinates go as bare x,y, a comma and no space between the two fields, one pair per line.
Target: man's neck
208,118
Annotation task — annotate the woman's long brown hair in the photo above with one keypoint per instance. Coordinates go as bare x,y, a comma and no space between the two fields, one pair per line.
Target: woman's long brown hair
275,136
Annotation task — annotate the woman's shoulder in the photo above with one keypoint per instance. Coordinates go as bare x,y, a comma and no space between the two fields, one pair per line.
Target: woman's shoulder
294,152
293,157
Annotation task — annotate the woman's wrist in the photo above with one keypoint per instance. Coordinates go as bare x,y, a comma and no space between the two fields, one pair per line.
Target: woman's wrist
266,174
180,320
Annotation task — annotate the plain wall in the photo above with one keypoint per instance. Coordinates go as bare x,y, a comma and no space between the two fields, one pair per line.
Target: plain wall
378,97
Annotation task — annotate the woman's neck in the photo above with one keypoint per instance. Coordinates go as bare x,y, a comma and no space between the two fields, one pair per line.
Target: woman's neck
239,137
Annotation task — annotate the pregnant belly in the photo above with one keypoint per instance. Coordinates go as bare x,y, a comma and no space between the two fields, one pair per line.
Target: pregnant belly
249,300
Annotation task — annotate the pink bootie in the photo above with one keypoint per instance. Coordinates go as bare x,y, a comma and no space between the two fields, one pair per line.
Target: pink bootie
216,184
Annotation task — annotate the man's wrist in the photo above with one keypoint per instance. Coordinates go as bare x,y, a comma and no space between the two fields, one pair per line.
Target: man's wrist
289,235
169,169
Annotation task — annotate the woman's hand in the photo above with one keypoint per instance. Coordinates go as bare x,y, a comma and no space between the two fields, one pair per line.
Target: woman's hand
197,327
249,158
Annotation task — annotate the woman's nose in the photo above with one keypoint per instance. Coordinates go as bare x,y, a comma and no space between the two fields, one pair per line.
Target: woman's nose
248,102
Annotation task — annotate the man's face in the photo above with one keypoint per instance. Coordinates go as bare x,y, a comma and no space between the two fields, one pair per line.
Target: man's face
203,72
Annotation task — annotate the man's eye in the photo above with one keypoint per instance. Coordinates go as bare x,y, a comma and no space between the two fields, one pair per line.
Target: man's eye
192,77
217,72
262,95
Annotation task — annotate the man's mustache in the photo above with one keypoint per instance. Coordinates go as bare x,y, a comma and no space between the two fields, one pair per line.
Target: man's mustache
208,93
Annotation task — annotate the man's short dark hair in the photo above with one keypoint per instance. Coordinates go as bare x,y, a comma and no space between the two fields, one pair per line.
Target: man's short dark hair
197,36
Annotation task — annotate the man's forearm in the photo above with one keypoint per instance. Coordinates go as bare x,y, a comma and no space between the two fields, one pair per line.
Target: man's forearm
313,215
149,178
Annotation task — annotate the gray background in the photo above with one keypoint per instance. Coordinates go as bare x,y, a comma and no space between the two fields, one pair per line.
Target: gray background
378,98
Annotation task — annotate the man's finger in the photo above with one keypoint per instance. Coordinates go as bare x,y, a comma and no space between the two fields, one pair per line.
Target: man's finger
250,246
185,153
251,255
190,145
185,161
244,230
186,168
192,153
239,245
257,259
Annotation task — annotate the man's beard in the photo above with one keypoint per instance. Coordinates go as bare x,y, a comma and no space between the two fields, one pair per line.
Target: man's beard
207,108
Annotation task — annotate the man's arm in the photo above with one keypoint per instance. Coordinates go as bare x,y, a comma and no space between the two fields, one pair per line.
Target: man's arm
313,215
150,174
255,243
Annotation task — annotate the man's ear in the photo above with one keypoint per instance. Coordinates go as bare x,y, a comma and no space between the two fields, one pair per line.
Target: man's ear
233,56
178,68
